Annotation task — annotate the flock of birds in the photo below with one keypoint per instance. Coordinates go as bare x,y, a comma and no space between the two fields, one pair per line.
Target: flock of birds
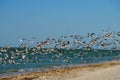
107,40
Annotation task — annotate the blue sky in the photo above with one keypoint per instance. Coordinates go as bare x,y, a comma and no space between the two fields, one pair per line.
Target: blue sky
43,18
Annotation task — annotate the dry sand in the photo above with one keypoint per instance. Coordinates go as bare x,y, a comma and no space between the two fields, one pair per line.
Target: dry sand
103,71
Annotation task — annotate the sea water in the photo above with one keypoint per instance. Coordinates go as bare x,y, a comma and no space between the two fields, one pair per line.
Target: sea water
20,62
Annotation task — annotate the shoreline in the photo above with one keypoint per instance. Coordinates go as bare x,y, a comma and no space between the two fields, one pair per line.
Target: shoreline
31,70
67,73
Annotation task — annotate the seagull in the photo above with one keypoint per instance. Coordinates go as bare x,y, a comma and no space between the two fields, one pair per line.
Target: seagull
32,40
105,31
118,33
22,39
91,34
24,45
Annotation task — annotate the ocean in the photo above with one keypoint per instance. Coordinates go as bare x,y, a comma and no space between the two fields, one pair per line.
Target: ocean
17,60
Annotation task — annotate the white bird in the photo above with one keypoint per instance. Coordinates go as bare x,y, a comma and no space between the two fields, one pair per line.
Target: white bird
22,39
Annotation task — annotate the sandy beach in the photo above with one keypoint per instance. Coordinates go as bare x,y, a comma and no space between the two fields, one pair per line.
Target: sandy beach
103,71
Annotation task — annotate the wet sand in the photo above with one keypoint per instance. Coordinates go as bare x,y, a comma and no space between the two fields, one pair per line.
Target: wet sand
103,71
